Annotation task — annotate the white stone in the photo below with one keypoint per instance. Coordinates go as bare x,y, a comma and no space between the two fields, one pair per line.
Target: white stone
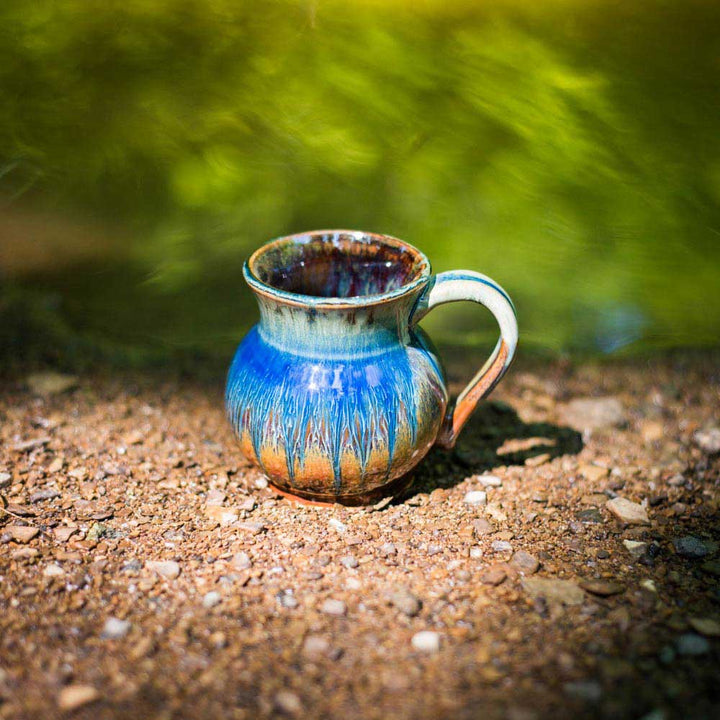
337,525
115,628
334,607
629,512
490,481
476,497
211,599
167,568
53,570
426,641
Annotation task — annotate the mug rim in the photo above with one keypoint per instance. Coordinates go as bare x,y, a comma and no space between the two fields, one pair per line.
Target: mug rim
263,288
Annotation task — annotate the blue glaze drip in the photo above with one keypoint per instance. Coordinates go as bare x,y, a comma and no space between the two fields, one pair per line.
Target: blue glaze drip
292,403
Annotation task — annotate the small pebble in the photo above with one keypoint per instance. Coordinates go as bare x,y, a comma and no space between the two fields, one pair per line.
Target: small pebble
288,599
426,641
53,570
501,546
482,526
333,607
115,628
241,561
593,473
489,481
315,646
587,414
47,494
692,644
691,547
601,587
708,440
705,626
50,382
387,549
349,561
405,601
636,548
211,599
337,525
21,533
554,590
525,562
73,697
5,480
475,497
168,569
493,576
288,702
629,512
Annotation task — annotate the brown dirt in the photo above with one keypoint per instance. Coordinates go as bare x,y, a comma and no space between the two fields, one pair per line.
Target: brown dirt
316,608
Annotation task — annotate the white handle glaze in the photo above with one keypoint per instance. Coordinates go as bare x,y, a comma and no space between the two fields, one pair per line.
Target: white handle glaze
468,285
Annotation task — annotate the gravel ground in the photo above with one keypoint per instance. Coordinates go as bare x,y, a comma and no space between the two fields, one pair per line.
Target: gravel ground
563,559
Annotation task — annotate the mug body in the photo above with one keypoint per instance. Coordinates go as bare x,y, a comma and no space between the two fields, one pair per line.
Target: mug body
332,394
335,429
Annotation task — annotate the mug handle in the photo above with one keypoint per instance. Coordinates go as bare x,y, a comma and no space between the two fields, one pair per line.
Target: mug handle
457,285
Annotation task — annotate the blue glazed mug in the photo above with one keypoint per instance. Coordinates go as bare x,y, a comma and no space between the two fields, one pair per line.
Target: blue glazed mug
337,393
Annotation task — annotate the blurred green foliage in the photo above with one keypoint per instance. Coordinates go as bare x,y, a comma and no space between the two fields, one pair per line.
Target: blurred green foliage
570,149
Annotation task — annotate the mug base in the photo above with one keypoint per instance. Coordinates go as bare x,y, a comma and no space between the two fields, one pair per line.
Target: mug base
394,487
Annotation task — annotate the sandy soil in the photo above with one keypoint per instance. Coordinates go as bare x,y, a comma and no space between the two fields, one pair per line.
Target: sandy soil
146,571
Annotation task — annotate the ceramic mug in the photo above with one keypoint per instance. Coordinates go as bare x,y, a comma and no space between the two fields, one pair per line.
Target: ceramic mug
337,393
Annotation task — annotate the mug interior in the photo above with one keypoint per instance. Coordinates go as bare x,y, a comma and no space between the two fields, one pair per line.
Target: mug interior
338,264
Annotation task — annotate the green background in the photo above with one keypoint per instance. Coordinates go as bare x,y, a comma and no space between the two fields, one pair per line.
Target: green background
569,149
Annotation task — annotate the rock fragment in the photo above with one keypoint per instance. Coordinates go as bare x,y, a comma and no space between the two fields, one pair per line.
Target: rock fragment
524,562
405,601
426,641
593,413
168,569
554,590
315,646
115,628
489,480
636,548
629,512
53,570
50,383
692,547
602,587
334,607
221,515
708,440
211,599
475,497
288,702
691,644
74,697
493,576
22,533
705,626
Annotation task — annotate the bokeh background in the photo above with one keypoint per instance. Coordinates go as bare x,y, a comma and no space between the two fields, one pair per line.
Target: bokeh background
569,148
